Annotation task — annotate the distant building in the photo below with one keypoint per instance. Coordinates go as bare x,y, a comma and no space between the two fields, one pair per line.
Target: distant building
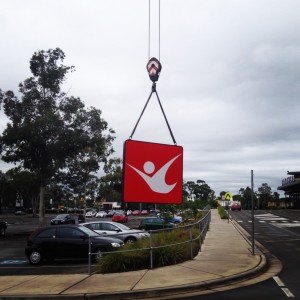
291,187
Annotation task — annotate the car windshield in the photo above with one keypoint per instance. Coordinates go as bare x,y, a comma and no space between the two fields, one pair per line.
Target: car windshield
60,216
88,231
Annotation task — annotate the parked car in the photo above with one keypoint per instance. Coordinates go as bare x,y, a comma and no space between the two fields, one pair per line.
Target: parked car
91,213
118,230
63,219
120,218
110,213
173,218
153,223
3,227
20,212
129,212
67,242
101,214
81,218
136,213
235,206
144,212
176,219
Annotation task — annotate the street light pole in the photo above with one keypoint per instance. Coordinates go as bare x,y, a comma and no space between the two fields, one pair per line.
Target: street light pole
252,213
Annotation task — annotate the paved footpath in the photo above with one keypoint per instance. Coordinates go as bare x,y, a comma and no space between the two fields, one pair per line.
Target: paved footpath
224,262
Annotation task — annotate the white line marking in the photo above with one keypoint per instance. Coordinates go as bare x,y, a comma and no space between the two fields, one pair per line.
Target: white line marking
278,281
288,292
287,225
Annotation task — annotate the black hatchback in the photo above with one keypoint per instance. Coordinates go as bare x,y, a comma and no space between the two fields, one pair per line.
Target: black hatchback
63,219
67,242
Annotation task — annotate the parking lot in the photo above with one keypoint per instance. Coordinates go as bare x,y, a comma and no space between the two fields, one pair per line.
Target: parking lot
12,256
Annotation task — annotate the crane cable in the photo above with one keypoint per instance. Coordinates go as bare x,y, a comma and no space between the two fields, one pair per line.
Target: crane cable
154,68
149,30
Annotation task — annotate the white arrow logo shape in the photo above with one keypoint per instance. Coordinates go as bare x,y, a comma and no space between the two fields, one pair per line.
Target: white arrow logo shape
157,182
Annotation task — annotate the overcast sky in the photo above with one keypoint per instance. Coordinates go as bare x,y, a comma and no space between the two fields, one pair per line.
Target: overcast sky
230,80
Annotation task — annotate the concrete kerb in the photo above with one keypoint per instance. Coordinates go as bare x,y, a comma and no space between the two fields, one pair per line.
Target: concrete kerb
188,288
154,293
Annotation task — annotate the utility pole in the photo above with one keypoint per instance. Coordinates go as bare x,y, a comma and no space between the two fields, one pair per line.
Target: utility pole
252,213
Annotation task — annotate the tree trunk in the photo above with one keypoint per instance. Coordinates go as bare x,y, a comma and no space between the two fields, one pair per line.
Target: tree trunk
42,207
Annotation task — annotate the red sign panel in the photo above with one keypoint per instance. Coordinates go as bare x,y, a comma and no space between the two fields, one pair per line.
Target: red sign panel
152,172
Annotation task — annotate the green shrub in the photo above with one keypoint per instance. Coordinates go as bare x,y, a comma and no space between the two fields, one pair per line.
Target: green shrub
138,255
223,212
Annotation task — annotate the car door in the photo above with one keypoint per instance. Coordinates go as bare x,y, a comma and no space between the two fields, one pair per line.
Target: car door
157,224
103,228
97,227
73,243
47,242
109,229
149,225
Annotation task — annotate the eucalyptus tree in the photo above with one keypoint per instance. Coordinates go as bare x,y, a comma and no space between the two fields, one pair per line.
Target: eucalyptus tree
80,176
247,199
200,191
265,195
26,186
110,187
48,129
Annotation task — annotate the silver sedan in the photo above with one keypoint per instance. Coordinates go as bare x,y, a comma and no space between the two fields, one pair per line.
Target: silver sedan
117,230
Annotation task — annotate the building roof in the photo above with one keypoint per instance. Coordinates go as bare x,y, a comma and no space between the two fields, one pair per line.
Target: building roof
293,173
291,184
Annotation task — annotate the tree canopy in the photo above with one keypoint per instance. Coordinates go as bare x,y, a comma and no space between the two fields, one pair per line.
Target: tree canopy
48,130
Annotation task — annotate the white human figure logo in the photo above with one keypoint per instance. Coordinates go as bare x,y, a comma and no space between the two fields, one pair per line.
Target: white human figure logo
157,182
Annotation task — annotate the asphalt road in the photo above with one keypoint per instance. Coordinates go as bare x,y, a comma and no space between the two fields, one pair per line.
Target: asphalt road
12,256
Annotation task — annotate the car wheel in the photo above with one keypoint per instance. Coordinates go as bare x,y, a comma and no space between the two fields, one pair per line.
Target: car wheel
35,257
2,232
98,255
130,240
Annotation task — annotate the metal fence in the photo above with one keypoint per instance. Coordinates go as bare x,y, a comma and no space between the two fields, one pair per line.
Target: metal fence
199,227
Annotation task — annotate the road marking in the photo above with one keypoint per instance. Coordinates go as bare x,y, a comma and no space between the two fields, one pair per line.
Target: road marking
287,292
287,225
273,219
270,217
276,220
13,262
278,281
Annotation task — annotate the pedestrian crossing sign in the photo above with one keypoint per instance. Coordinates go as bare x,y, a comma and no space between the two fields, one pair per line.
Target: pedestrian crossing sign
228,196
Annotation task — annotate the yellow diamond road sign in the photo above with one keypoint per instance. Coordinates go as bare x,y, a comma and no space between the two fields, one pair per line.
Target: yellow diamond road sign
228,196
